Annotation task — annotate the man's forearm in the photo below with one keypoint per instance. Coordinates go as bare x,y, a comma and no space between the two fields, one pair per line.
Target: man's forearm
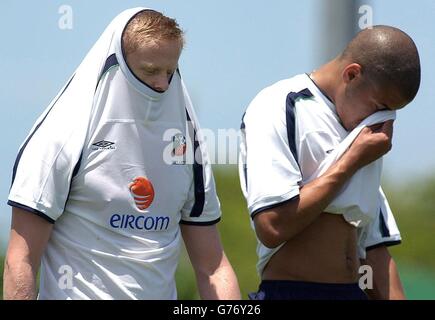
396,289
214,275
386,279
286,221
318,194
19,282
28,238
220,285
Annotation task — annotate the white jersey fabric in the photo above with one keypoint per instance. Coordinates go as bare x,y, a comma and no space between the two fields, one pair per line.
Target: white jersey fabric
111,163
291,134
361,197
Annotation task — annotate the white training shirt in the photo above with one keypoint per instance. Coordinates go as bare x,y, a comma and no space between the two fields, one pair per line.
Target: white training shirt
288,130
111,163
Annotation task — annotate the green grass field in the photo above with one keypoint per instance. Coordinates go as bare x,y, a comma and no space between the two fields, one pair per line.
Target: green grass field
413,205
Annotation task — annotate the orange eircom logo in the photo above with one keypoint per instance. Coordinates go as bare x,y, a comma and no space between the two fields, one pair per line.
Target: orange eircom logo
142,191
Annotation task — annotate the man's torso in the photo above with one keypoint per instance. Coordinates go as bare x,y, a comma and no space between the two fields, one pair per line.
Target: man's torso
326,251
119,237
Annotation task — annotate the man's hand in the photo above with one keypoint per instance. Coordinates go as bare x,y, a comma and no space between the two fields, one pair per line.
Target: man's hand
371,144
276,225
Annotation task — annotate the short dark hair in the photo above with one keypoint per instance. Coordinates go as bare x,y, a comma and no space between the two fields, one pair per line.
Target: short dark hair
388,56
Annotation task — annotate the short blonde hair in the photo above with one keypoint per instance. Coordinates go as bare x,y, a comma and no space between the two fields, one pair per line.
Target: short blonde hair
150,26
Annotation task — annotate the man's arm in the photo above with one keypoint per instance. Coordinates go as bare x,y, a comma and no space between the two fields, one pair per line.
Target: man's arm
215,276
386,280
28,238
279,224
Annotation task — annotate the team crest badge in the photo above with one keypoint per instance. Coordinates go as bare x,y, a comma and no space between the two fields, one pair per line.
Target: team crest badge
179,145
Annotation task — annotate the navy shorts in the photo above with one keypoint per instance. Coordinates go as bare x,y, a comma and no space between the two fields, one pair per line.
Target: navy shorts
298,290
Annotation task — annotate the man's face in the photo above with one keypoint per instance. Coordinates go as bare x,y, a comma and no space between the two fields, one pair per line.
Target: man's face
356,101
155,62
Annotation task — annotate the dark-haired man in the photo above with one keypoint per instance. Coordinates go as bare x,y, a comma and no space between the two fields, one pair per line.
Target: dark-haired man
306,250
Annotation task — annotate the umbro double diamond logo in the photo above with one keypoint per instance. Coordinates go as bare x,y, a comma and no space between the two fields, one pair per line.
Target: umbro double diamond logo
103,145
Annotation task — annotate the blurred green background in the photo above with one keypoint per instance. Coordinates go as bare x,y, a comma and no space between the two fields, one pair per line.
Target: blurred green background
412,202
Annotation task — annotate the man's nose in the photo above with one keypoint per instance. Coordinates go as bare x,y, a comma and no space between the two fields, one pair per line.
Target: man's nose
160,82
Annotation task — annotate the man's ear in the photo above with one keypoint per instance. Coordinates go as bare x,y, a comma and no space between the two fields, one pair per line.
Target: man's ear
351,72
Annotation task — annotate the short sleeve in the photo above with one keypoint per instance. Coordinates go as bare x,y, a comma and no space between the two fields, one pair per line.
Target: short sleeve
269,173
381,231
47,161
202,206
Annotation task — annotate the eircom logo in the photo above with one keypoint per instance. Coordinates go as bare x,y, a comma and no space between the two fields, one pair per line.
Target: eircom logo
130,221
142,191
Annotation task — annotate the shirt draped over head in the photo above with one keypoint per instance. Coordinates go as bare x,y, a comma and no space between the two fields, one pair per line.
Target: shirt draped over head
117,166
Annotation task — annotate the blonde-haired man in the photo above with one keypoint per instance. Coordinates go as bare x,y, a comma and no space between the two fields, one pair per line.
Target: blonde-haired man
97,198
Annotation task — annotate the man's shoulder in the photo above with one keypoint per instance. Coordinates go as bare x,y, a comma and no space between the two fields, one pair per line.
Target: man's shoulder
272,99
293,84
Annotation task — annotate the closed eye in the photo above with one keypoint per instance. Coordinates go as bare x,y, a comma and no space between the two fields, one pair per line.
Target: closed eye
150,71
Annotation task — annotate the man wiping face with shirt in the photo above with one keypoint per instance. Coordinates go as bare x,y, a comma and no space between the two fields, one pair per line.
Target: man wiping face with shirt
310,165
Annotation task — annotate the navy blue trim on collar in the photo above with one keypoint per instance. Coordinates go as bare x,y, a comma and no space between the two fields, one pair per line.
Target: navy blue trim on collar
111,61
320,89
242,125
290,118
